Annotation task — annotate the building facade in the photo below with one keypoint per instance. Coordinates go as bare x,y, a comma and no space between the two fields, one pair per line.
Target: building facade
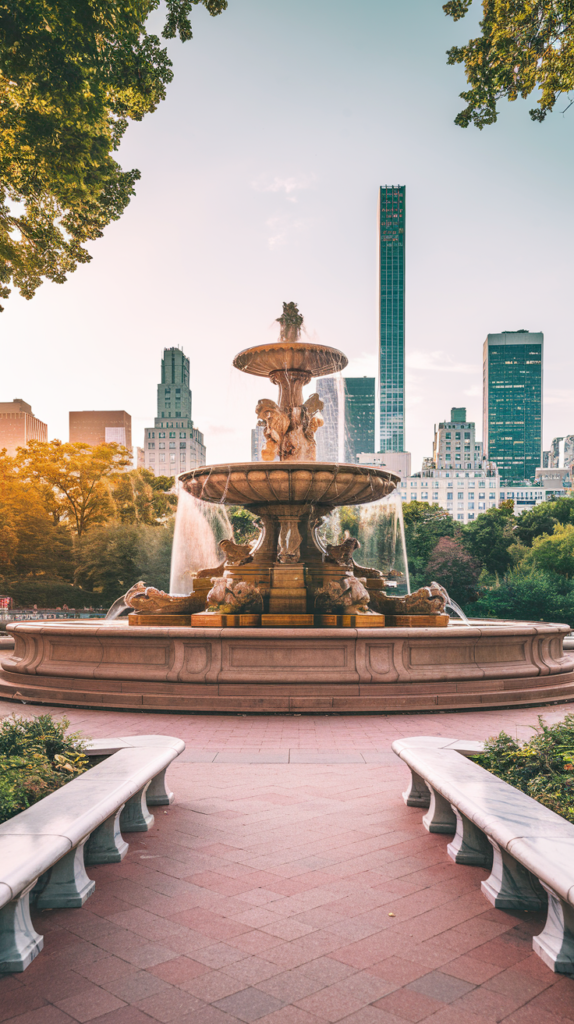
455,445
512,403
359,416
391,318
101,426
19,426
173,445
330,437
257,443
395,462
561,454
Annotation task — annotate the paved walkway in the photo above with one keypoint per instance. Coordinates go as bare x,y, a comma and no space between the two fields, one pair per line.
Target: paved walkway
288,894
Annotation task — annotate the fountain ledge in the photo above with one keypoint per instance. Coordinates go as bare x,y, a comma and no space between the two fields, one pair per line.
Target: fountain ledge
112,665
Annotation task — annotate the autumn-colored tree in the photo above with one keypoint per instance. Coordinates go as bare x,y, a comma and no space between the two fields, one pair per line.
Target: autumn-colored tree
456,570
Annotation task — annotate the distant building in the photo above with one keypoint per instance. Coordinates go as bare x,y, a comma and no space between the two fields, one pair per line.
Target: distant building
330,437
19,426
553,480
359,416
257,443
140,458
546,458
395,462
562,452
391,318
512,403
101,426
455,445
173,445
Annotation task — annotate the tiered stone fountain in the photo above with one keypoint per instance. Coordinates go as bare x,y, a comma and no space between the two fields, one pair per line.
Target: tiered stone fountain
287,623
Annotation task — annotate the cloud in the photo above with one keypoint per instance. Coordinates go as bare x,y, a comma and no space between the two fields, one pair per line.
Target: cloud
438,361
288,186
281,227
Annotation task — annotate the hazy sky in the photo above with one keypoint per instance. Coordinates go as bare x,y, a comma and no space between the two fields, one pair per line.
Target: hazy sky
260,177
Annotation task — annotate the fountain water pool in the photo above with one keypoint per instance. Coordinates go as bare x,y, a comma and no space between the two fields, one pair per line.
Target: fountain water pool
293,622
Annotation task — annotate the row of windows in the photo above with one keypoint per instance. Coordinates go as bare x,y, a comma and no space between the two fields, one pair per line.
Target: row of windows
172,458
161,433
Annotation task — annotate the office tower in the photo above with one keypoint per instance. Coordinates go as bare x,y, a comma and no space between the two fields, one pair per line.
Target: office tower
392,318
330,437
394,462
359,416
18,426
100,426
173,445
512,403
257,443
455,445
562,452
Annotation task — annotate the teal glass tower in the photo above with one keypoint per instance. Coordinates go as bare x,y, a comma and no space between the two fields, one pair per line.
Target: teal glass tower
512,403
359,416
392,318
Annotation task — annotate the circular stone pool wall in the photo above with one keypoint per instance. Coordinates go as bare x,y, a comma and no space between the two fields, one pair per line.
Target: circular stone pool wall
113,665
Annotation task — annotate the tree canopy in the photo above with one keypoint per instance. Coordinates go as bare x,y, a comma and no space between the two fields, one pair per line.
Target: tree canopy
73,73
524,45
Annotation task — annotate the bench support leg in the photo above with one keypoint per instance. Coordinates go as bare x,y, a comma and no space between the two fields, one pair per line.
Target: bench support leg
68,885
510,886
135,816
106,844
158,794
555,945
440,816
19,941
470,845
417,794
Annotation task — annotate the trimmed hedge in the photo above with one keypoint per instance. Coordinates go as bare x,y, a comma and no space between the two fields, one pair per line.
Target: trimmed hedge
36,758
543,766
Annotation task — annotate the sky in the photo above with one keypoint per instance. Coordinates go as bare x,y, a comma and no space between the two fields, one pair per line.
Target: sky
260,178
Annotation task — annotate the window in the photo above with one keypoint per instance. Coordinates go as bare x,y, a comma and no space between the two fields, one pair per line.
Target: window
182,433
467,434
161,444
471,515
481,505
435,496
172,458
151,433
471,504
481,495
161,434
471,495
151,444
172,433
460,504
460,495
172,444
152,457
460,517
492,496
182,456
502,495
162,456
182,444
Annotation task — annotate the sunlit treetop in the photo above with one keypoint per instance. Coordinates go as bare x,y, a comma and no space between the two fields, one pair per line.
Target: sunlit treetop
525,45
73,73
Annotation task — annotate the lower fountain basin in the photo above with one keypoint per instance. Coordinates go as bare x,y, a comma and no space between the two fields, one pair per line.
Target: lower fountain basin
106,664
289,483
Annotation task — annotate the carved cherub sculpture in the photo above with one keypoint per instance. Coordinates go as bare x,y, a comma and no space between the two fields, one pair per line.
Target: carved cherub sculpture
275,424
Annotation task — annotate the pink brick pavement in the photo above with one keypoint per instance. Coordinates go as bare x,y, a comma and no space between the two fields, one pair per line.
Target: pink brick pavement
288,893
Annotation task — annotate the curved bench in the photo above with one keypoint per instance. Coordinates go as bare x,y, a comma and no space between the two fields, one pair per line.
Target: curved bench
44,850
528,847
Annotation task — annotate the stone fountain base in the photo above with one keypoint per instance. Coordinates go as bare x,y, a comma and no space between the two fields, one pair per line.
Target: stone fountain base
112,665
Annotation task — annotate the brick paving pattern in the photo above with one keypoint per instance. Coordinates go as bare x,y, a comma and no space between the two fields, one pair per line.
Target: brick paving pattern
288,884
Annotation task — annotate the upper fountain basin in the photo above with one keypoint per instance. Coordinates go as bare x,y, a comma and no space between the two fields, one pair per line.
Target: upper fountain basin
263,360
284,483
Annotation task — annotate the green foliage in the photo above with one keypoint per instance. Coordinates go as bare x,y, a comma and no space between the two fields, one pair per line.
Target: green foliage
36,758
553,554
456,570
244,524
535,596
543,767
111,558
73,73
424,526
543,518
489,537
524,45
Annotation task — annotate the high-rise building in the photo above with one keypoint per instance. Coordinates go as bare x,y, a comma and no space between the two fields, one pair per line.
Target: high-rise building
18,426
257,443
330,437
101,426
394,462
455,445
359,416
562,452
173,445
392,318
512,403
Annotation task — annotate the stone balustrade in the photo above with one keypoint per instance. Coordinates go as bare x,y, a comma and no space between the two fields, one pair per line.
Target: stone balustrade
44,851
527,847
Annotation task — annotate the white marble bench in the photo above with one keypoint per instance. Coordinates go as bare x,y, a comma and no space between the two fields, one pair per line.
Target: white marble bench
528,847
44,850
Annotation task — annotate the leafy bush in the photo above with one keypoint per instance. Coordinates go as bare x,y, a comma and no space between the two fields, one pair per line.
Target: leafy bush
543,767
535,595
36,758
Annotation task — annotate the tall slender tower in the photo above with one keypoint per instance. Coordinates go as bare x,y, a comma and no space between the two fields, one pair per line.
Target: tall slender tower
173,445
392,318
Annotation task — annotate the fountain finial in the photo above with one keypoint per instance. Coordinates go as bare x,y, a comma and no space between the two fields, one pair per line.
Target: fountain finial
291,321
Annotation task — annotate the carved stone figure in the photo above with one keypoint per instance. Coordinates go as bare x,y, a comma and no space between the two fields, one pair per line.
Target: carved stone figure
236,554
291,321
234,597
347,597
342,554
429,600
275,424
151,601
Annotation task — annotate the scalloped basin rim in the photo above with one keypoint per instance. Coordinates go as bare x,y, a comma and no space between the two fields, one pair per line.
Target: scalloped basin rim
262,360
297,483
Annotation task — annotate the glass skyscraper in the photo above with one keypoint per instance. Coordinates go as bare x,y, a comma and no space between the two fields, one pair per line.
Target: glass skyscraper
173,445
392,318
512,403
359,416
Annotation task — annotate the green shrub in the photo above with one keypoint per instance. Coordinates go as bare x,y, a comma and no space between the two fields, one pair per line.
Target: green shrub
36,758
543,766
